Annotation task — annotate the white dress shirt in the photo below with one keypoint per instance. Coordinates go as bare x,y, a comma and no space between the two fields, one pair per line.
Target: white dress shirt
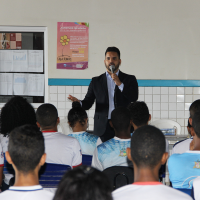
111,92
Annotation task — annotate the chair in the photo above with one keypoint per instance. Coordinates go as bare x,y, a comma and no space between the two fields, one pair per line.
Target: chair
51,174
166,123
119,176
86,160
186,191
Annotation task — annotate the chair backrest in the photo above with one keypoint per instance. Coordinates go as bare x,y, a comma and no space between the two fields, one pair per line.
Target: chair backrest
119,176
51,174
187,191
86,160
167,123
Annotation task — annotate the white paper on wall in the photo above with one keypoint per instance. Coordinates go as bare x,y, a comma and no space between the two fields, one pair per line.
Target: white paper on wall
6,83
29,84
20,61
6,60
35,60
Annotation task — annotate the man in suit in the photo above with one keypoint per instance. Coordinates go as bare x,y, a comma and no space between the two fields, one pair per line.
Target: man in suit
110,90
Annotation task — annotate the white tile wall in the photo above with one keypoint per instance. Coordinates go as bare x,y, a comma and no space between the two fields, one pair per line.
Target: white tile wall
163,102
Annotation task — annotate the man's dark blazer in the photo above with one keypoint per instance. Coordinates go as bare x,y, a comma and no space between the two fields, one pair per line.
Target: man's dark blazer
98,91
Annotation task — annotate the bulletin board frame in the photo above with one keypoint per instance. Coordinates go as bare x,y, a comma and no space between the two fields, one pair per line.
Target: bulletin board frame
33,29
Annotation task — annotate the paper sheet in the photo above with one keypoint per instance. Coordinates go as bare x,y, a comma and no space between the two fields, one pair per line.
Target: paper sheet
6,60
21,60
35,60
6,83
29,84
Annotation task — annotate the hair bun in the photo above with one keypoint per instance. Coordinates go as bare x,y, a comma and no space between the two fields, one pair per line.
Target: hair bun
76,104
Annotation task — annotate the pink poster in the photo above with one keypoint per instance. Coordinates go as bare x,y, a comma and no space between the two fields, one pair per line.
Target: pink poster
72,45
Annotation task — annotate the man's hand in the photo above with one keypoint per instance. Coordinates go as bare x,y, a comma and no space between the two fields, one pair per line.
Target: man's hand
116,79
70,97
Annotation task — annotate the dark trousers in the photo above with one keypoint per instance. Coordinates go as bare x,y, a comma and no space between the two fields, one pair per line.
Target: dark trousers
109,132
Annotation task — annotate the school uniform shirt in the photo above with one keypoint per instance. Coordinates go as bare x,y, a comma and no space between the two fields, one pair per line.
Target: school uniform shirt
87,141
4,145
150,191
35,192
196,186
62,149
184,168
111,153
182,146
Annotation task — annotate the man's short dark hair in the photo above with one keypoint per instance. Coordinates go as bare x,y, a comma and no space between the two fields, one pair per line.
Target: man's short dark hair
47,115
120,118
196,123
139,113
26,147
194,107
147,146
113,49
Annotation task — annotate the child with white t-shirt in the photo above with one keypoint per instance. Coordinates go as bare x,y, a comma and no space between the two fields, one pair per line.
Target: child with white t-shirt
26,154
78,121
16,112
60,148
147,154
113,152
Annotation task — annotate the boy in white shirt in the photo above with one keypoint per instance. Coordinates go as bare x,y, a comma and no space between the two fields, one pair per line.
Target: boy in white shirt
60,148
113,151
26,154
147,154
184,145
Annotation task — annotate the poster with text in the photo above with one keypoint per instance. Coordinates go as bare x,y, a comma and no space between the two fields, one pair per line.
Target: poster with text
72,45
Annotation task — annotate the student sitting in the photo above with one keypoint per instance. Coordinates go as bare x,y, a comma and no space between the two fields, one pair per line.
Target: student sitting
185,167
84,183
113,151
60,148
195,189
147,154
140,116
78,121
16,112
184,145
26,154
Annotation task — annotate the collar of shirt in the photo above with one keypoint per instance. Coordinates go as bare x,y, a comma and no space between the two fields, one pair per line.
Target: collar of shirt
108,75
26,188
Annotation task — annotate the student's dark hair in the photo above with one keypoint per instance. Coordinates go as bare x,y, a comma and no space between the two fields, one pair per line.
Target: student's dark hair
16,112
77,114
120,118
147,146
194,107
26,147
47,115
139,113
84,182
113,49
196,123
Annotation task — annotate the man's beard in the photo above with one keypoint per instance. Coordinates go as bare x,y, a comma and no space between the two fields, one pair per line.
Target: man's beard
116,66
